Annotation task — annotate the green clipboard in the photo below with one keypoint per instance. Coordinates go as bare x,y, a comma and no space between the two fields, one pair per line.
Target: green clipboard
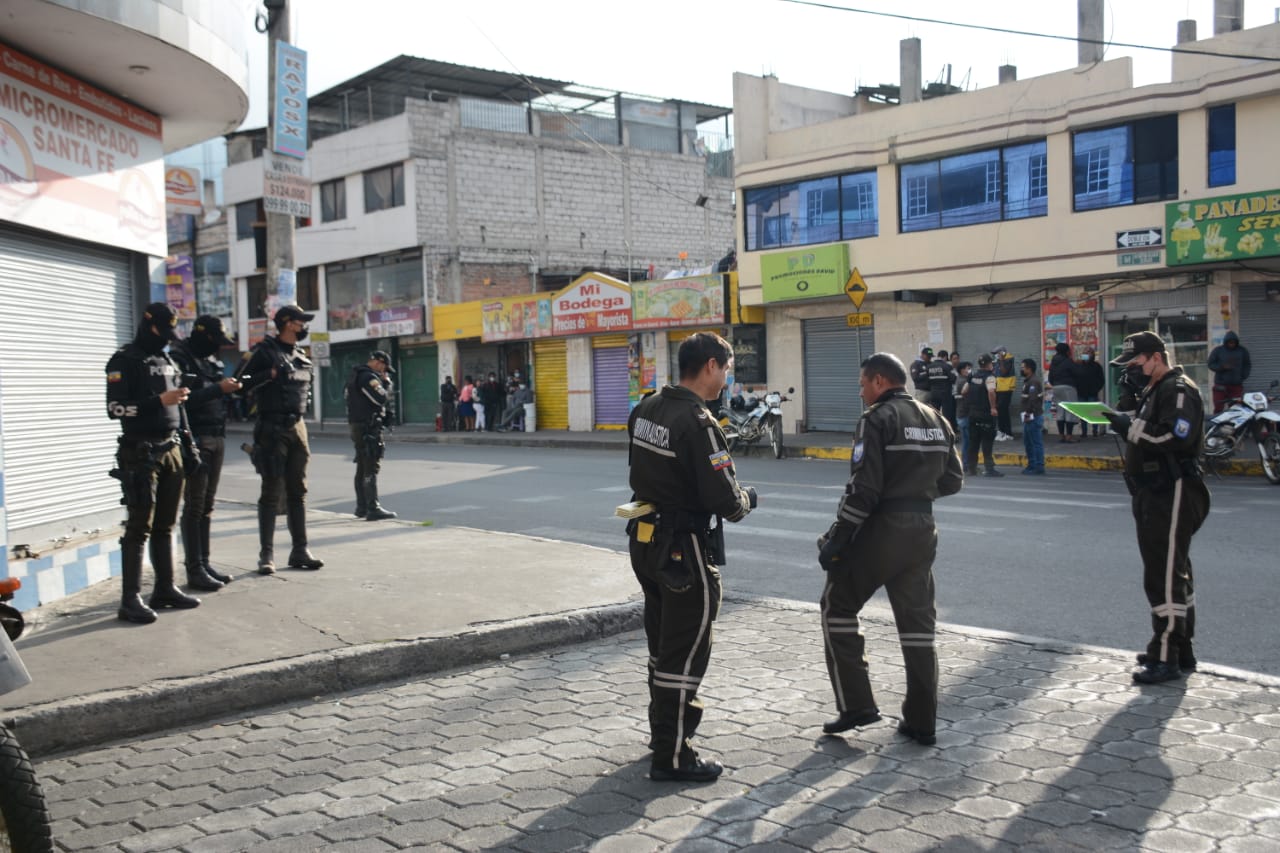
1090,413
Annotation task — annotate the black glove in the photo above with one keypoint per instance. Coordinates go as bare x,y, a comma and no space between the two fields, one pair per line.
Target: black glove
832,543
1120,423
752,498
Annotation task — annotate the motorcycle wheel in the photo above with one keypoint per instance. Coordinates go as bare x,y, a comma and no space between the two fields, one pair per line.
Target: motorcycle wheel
24,818
775,437
1269,450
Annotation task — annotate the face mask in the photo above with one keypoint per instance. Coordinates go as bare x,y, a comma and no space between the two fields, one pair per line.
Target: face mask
151,343
1134,378
1086,357
201,346
302,334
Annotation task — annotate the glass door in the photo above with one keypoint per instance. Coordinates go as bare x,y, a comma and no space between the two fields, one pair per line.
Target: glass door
1185,335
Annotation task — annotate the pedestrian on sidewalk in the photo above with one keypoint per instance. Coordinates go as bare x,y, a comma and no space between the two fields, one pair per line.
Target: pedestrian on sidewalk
278,374
904,458
145,394
1163,440
980,393
1091,380
1231,367
1062,378
515,408
448,405
491,399
467,405
680,464
206,410
368,394
1032,409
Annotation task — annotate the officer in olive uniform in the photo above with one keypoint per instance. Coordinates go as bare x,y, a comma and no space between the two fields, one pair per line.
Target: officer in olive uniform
145,395
278,374
367,395
206,411
1170,501
904,458
680,463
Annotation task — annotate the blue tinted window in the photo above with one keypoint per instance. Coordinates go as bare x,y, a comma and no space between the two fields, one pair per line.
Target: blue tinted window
978,186
1126,164
921,201
1026,180
859,216
1222,145
970,188
817,210
761,204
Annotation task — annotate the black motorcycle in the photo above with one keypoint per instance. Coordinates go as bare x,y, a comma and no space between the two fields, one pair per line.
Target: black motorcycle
24,817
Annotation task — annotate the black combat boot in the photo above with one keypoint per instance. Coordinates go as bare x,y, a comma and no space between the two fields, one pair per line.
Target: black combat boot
299,556
362,506
131,607
193,557
205,522
376,511
164,594
266,541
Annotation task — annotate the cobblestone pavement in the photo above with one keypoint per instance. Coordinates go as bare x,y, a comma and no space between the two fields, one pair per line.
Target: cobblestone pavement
1038,749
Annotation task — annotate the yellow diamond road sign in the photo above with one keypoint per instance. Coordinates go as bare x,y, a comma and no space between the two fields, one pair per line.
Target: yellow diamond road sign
856,288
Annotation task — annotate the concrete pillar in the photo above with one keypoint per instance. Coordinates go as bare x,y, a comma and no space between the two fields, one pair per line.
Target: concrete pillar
1089,31
1228,16
910,76
1008,73
1186,31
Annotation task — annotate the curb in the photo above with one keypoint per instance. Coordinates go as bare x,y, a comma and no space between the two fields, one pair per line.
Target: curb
85,721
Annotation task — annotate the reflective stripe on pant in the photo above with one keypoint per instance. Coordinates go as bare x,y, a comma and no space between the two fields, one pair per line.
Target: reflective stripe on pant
896,551
677,625
1166,521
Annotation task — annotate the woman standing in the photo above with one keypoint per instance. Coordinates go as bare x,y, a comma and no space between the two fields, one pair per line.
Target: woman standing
1091,381
1063,378
466,405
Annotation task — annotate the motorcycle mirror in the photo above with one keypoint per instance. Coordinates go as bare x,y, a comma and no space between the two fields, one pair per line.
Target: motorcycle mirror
9,586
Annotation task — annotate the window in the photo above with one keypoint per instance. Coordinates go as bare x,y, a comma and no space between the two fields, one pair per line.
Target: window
818,210
380,282
978,186
1222,145
333,200
384,188
1126,164
249,213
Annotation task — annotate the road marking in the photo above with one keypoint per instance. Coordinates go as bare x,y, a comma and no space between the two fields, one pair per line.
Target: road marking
537,499
453,509
812,535
1051,501
612,489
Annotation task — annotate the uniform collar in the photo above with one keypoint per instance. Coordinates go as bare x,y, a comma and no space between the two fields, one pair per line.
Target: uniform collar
900,391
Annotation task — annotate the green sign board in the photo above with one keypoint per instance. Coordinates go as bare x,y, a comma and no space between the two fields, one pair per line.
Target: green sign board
1231,227
805,273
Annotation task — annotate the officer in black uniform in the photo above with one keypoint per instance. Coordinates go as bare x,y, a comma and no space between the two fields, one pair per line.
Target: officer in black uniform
1170,501
941,377
144,393
904,458
680,464
202,374
980,395
278,374
368,393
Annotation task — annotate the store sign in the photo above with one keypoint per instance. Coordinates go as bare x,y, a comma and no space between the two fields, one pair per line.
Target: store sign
290,115
180,286
286,186
1071,323
805,273
673,303
182,189
77,161
594,303
393,322
516,318
1235,227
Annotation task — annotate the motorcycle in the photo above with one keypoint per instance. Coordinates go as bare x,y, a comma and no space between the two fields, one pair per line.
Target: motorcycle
1248,417
754,418
24,817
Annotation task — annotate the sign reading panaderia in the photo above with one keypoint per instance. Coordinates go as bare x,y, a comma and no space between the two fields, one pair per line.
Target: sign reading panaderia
805,273
1235,227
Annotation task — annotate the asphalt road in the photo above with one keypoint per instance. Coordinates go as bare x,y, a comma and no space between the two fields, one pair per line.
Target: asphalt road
1050,557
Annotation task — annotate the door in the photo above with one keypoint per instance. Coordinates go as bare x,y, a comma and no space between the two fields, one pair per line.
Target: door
342,359
611,381
833,355
551,388
983,328
419,381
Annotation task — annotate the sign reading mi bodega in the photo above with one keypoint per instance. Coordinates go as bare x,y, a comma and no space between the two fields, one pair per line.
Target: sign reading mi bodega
805,273
291,101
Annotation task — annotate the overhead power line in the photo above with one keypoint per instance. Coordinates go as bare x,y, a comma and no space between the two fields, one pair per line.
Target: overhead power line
1176,49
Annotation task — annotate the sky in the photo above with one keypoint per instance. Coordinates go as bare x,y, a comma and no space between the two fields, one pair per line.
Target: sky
689,50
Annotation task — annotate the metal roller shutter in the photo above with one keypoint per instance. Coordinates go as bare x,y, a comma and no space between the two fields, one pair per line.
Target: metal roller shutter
1259,331
833,355
551,380
611,387
981,329
65,308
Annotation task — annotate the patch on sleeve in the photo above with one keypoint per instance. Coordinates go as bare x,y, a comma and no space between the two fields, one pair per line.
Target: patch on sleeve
721,460
857,452
1182,428
115,376
374,383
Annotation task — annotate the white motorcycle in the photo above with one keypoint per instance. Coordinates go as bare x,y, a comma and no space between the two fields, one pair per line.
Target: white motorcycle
753,418
1248,417
24,818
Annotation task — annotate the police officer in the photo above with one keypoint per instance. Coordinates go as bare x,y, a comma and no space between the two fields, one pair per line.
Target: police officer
207,419
144,393
279,374
942,379
980,394
920,375
1170,501
680,464
367,395
904,458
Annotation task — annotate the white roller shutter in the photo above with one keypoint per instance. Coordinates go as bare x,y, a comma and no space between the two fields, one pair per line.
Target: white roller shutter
833,356
981,329
65,307
1259,331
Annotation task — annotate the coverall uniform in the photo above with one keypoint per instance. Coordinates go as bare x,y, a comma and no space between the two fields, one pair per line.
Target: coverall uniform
367,396
680,463
904,458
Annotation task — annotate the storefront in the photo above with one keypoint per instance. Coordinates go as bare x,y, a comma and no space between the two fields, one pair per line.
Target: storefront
983,328
1259,331
1179,316
551,389
418,382
833,351
610,381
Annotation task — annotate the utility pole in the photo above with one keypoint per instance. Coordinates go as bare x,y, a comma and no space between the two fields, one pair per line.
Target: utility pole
279,225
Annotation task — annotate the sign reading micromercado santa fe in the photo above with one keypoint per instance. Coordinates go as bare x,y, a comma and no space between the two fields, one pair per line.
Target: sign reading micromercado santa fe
1233,227
516,318
77,161
805,273
594,303
675,302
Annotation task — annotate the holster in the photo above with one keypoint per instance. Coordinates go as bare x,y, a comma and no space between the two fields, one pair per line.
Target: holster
268,460
374,447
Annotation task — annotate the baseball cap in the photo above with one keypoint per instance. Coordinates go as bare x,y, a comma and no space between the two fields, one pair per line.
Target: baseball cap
985,358
291,312
211,327
927,351
382,356
1139,343
162,317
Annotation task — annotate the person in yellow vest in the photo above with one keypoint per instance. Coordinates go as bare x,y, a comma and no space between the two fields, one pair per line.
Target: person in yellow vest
1006,384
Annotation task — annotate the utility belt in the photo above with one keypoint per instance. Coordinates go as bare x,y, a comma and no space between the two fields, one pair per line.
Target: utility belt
156,444
666,523
1161,473
279,418
923,505
210,431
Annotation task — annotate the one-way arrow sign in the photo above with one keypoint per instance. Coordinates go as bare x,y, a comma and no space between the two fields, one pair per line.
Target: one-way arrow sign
856,288
1139,237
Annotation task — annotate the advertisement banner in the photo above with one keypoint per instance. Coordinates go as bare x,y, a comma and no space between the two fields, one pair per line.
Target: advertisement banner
805,273
394,321
594,303
1231,227
286,186
516,318
675,302
77,161
180,286
291,101
1072,323
182,190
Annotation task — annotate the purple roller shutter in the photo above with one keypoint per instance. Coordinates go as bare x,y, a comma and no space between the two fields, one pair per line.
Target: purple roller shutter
611,386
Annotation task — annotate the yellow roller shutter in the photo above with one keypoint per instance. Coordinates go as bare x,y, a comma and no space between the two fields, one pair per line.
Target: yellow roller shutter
551,383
